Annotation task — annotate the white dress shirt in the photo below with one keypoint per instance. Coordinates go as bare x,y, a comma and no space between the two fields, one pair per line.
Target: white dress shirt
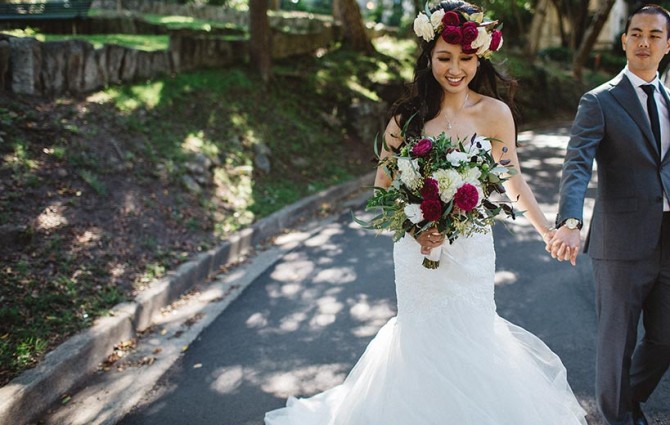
663,113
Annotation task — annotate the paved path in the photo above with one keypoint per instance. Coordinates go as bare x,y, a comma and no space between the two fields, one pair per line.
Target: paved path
301,325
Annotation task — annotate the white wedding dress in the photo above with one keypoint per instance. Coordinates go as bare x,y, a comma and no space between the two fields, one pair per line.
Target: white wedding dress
447,358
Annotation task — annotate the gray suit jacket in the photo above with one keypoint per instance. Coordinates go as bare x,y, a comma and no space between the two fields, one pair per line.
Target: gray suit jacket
612,128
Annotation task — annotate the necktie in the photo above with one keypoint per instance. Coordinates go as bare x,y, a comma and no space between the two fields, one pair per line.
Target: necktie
652,109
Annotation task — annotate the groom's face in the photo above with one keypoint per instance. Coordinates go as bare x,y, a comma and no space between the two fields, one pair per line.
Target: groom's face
645,44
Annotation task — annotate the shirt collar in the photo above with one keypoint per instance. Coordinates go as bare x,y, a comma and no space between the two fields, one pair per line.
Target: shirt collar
637,81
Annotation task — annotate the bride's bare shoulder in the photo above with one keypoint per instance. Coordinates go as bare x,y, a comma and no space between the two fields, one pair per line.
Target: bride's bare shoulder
494,115
492,108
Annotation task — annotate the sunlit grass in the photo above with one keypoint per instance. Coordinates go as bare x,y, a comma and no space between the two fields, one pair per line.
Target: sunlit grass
404,50
144,42
188,22
198,142
20,158
130,98
355,86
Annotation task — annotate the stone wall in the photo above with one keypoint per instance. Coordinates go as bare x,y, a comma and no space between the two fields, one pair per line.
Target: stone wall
297,21
74,67
214,13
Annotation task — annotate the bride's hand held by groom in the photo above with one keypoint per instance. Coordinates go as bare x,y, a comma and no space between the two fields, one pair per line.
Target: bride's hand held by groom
563,244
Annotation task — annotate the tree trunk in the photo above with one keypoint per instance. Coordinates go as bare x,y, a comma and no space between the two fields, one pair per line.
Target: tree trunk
559,15
579,14
353,30
590,37
260,42
517,17
536,25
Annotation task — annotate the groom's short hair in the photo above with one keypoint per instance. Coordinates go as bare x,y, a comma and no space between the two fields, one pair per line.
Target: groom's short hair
651,9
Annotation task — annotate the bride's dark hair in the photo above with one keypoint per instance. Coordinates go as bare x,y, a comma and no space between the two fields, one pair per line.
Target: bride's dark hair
424,99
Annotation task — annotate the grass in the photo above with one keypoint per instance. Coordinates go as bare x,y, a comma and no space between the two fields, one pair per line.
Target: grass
144,42
188,22
64,277
140,221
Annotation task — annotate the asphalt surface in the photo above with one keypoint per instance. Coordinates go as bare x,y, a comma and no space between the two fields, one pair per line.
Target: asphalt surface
300,326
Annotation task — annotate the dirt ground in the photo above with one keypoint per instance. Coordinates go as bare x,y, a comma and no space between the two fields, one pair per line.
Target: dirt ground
86,221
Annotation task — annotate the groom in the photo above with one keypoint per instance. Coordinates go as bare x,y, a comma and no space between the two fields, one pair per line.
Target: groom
625,126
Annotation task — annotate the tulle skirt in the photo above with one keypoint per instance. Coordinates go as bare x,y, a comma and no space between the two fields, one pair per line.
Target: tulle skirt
446,358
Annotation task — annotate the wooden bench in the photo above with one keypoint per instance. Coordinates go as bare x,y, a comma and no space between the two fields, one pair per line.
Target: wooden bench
46,9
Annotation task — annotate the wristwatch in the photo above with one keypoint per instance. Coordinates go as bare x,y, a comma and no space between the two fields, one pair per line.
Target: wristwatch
571,223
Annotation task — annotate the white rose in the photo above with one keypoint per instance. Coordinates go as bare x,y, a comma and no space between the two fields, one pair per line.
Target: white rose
423,28
472,175
486,42
448,182
436,18
414,213
482,38
456,158
409,173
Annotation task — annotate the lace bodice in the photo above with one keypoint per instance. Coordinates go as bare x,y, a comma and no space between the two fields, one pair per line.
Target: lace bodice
465,276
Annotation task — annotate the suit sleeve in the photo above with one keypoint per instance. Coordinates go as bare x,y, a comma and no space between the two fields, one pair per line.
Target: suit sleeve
587,132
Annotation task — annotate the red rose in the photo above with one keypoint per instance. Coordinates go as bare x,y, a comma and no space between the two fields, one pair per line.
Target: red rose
466,197
431,209
451,19
470,32
452,34
496,39
430,189
422,148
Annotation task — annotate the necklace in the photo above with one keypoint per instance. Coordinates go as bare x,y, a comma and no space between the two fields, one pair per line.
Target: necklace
449,126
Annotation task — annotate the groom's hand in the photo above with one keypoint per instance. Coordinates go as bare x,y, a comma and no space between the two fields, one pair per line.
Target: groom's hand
564,246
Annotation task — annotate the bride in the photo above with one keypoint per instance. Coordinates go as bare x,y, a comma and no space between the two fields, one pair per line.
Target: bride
447,358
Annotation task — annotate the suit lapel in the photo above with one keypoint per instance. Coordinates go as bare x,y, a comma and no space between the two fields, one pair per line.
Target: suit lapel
624,92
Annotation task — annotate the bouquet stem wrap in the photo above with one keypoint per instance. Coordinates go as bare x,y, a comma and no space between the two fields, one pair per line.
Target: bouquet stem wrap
432,260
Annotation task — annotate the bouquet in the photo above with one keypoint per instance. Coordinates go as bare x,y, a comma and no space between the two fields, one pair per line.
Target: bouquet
443,183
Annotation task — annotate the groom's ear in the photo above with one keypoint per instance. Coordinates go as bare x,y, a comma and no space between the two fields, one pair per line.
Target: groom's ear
623,41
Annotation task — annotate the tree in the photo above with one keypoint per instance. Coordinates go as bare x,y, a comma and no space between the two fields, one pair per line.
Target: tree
590,37
260,42
572,16
514,15
536,25
354,34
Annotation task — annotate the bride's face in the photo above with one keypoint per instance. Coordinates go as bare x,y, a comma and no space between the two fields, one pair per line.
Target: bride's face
452,68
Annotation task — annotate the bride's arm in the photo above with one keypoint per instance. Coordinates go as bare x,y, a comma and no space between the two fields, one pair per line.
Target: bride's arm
393,139
516,186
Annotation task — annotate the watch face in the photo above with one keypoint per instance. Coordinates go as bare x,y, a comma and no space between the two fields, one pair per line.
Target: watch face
571,223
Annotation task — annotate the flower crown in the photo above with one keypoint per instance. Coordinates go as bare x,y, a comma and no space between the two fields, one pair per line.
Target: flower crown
469,30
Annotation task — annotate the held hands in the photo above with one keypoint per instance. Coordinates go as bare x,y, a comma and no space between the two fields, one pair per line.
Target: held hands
429,239
563,244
